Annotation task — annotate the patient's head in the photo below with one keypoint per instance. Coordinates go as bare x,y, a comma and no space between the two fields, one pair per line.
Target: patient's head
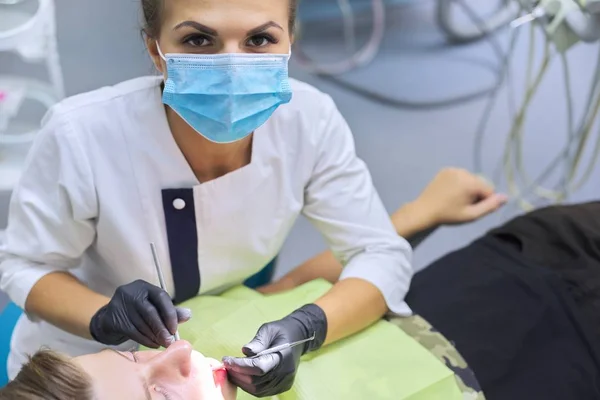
174,374
49,375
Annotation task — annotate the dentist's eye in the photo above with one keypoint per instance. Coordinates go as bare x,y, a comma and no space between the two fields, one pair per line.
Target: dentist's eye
262,40
197,41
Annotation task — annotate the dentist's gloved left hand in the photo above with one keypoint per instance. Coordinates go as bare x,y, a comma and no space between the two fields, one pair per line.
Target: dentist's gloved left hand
273,374
141,312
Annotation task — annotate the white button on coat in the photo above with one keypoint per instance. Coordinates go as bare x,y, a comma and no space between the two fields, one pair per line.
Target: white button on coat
179,204
90,201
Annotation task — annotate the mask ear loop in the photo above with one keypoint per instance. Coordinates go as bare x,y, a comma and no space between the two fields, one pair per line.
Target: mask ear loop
161,53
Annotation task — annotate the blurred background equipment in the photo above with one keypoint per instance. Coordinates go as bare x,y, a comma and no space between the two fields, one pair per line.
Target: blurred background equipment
27,30
460,31
457,30
562,23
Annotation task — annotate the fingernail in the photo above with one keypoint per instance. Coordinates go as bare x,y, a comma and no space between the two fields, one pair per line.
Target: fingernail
186,313
170,340
249,351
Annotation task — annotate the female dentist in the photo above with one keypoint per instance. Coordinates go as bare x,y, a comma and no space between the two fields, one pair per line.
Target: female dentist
213,163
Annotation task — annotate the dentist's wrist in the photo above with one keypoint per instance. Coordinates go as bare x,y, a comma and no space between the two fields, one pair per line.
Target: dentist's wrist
313,321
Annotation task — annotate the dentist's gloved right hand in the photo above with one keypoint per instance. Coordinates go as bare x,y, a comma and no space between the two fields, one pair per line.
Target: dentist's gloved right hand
273,374
141,312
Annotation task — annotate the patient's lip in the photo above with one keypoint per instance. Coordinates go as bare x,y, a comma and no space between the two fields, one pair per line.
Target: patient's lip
220,376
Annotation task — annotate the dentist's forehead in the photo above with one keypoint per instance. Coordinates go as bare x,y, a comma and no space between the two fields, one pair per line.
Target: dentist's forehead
220,10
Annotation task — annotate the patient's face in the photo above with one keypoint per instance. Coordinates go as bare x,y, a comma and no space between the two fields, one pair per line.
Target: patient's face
178,373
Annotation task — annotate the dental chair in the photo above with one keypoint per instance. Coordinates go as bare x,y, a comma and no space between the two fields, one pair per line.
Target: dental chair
263,277
8,320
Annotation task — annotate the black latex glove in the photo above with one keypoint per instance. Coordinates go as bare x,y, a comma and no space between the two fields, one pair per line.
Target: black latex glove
141,312
273,374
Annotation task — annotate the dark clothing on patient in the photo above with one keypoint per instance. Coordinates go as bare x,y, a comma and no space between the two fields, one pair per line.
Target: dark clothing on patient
519,305
565,239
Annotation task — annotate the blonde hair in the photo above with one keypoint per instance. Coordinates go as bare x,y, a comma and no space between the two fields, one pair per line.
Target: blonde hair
49,376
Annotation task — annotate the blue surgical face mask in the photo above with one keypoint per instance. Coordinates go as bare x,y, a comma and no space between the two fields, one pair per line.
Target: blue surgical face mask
225,97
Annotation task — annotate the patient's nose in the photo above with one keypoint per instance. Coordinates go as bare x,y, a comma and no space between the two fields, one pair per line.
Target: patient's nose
173,363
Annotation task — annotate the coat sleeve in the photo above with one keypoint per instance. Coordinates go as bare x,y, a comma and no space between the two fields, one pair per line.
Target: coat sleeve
341,201
52,211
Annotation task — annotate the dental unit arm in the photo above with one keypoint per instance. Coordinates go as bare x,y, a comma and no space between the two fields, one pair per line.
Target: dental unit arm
585,22
567,22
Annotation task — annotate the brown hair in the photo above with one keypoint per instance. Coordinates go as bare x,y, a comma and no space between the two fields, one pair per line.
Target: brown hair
49,376
152,16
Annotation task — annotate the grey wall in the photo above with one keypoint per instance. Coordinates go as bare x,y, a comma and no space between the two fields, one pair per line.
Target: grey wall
3,301
100,45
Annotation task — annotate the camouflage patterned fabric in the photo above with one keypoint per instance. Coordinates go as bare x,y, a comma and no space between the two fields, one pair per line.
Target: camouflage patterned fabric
438,345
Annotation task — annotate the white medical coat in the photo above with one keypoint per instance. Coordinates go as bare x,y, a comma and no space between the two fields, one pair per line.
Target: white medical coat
90,202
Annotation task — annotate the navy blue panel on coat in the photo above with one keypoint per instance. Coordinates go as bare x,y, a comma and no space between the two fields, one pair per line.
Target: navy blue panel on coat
263,277
180,216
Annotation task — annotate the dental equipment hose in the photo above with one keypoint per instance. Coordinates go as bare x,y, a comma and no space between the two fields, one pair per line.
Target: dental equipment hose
364,56
519,182
570,157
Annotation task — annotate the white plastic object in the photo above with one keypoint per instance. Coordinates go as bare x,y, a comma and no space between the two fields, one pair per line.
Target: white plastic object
585,21
24,32
11,97
16,90
29,32
32,36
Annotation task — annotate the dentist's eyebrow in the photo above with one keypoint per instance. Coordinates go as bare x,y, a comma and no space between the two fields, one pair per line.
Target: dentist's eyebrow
197,26
263,27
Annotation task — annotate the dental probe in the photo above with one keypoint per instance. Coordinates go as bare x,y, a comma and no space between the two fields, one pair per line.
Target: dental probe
161,278
284,346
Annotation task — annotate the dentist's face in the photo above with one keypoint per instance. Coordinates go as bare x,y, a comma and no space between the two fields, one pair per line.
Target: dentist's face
178,373
222,26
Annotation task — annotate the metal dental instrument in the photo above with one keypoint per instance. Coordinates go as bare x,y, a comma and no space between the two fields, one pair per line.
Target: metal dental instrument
161,278
537,13
284,346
